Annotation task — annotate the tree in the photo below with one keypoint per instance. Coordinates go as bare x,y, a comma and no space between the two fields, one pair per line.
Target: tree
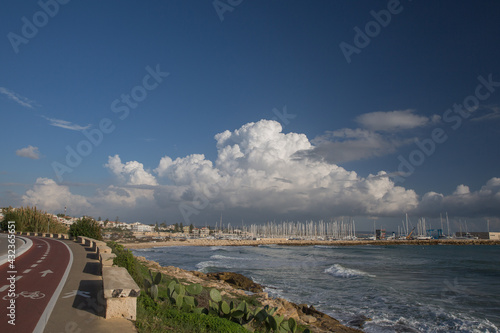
86,227
191,227
176,227
156,227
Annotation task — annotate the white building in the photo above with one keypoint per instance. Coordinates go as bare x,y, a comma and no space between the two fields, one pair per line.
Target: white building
139,227
495,235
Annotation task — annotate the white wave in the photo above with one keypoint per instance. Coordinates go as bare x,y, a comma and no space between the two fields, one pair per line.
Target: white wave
203,266
221,257
326,247
218,248
344,272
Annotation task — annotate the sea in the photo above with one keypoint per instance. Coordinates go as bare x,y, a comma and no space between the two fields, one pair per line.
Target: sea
400,288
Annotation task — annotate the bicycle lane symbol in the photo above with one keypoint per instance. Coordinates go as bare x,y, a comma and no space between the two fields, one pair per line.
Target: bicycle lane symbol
26,294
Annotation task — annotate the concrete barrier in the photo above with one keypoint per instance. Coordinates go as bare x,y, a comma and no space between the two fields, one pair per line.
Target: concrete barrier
103,249
80,240
89,242
106,259
120,293
120,290
97,244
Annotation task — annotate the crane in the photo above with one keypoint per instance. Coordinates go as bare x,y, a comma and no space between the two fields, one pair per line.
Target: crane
409,235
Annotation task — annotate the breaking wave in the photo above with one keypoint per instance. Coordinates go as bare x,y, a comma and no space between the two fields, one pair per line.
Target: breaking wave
344,272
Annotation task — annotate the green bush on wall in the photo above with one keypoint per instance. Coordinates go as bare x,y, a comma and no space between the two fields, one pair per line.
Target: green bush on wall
87,227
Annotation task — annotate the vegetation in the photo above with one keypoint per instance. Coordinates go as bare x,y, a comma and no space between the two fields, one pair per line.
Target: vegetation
86,226
152,287
156,317
176,306
125,258
31,219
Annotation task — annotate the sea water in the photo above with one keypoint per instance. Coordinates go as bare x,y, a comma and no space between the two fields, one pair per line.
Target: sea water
402,288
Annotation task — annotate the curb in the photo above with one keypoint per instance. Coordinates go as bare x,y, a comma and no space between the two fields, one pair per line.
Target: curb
19,251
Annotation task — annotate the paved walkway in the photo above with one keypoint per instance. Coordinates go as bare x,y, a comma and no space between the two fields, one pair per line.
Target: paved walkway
80,306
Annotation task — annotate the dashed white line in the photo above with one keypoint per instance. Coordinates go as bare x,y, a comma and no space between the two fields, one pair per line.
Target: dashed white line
39,261
3,288
27,271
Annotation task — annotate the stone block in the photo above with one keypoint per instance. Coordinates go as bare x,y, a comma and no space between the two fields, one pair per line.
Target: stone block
106,259
120,293
103,249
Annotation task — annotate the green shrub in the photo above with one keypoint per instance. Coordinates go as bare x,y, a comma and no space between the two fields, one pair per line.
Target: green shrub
153,317
87,227
125,258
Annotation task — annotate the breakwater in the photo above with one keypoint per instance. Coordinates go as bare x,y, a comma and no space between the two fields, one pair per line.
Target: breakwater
295,242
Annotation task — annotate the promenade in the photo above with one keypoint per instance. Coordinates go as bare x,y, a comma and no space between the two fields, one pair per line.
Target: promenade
59,289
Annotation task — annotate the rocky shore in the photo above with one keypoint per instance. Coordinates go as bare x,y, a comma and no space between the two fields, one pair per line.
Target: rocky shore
236,286
283,241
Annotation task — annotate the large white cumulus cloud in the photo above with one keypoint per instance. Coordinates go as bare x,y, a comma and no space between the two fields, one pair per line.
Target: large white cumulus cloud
258,175
46,193
256,169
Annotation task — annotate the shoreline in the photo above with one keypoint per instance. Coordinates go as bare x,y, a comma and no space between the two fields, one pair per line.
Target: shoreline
286,242
305,314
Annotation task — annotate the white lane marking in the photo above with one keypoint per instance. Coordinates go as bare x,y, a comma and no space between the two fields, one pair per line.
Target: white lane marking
39,261
85,294
44,273
34,265
27,271
50,306
3,288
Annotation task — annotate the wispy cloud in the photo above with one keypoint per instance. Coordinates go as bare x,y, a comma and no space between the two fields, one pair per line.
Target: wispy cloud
490,112
346,145
380,133
23,101
66,124
392,121
29,152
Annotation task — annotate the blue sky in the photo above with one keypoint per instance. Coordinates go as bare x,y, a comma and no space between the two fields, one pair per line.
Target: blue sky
257,110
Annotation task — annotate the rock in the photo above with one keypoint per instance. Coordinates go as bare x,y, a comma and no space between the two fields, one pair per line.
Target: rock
323,321
237,280
309,319
359,321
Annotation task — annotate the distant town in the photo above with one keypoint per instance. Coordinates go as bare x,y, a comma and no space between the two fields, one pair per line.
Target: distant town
321,231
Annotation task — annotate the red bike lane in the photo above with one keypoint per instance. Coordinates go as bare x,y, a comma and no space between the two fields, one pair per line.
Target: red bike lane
38,274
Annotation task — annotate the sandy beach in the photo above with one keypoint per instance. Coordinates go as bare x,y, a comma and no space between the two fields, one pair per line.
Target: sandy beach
283,241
